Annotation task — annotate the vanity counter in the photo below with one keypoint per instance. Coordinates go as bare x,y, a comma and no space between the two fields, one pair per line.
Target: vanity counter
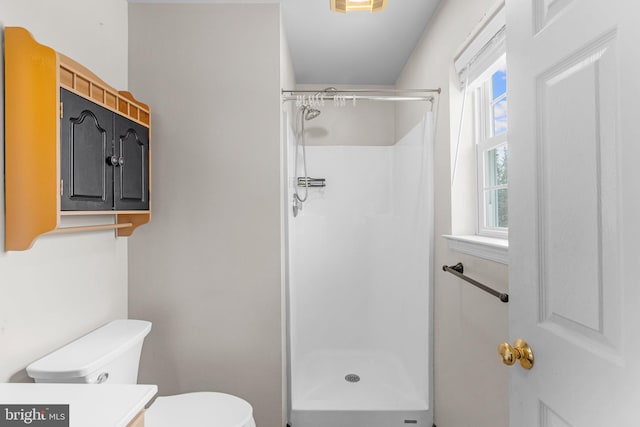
90,405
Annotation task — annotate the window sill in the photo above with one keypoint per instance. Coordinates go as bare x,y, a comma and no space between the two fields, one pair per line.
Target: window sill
489,248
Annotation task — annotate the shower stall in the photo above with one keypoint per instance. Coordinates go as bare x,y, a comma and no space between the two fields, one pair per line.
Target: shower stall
359,269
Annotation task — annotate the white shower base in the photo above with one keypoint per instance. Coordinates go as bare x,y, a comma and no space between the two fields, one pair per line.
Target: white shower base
385,395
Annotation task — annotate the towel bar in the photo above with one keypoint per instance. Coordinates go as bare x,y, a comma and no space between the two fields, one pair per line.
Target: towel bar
457,271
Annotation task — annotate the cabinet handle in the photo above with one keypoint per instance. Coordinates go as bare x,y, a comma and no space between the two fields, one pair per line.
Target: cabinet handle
115,161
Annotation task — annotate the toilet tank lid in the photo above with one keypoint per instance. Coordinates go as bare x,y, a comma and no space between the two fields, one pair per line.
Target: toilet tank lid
88,353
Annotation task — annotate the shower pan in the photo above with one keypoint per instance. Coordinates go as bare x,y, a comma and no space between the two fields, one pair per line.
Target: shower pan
359,267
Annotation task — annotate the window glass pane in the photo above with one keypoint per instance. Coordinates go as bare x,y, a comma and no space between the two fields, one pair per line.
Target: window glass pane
496,166
500,116
497,213
499,80
492,160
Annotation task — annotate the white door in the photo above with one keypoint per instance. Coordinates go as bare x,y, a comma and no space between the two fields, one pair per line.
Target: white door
574,231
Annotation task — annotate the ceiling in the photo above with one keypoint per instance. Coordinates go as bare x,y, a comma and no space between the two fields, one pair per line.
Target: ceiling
353,48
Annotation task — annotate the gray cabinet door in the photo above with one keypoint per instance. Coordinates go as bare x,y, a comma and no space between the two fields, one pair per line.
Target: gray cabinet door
131,175
86,144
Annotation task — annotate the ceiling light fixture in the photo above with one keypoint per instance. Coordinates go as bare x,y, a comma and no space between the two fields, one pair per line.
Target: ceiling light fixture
345,6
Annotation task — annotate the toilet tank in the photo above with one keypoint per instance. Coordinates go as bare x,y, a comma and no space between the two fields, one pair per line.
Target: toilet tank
110,354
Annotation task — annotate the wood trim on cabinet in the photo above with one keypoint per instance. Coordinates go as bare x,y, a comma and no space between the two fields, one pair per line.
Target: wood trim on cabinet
80,80
32,133
134,222
138,421
63,230
83,213
34,74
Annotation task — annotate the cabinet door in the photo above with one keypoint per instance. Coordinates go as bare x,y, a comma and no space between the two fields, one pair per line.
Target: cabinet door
86,144
131,179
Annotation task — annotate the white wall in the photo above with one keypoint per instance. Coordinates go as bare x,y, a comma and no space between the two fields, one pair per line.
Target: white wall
471,385
287,81
207,270
369,123
65,285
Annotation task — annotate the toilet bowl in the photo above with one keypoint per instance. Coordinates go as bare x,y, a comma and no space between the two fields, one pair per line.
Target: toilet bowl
111,354
196,409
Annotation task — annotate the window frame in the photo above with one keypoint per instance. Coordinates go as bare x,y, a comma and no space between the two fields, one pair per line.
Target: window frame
484,142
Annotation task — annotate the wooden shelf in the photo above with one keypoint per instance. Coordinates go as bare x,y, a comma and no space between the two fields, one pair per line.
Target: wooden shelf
83,213
63,230
79,80
34,75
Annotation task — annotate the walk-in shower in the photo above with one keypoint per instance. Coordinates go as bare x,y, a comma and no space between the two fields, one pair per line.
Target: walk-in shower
359,264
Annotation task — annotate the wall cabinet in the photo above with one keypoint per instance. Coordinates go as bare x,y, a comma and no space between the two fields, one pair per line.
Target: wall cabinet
104,161
73,146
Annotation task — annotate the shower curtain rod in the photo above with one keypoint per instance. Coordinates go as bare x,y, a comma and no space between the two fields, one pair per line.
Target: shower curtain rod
366,97
360,94
326,91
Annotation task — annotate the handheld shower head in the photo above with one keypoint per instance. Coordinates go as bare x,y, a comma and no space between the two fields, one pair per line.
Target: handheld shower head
310,113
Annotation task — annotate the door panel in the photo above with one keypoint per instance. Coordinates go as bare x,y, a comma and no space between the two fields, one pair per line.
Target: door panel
131,181
578,199
548,418
547,10
574,210
86,141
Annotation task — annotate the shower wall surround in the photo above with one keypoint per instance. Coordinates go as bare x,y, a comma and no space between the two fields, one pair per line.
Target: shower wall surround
359,285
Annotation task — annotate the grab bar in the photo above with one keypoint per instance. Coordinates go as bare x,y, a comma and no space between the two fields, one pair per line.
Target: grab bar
306,181
457,271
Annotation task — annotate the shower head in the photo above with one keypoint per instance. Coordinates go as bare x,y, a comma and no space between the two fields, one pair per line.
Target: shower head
310,113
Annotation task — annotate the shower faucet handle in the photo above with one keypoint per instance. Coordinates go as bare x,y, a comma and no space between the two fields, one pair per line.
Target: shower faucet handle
307,181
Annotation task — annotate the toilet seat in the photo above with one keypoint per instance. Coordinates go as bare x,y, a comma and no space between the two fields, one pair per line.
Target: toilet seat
200,409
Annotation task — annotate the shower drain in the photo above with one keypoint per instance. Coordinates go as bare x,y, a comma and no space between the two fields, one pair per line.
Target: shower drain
352,378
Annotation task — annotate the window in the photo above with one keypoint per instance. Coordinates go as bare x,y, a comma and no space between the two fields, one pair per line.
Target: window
490,128
479,150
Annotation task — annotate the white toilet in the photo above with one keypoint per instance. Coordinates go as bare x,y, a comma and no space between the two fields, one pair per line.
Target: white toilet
111,354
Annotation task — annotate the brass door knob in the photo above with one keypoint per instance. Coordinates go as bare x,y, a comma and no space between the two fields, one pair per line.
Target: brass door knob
520,351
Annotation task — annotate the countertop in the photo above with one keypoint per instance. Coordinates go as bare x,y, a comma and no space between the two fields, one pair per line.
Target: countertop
90,405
